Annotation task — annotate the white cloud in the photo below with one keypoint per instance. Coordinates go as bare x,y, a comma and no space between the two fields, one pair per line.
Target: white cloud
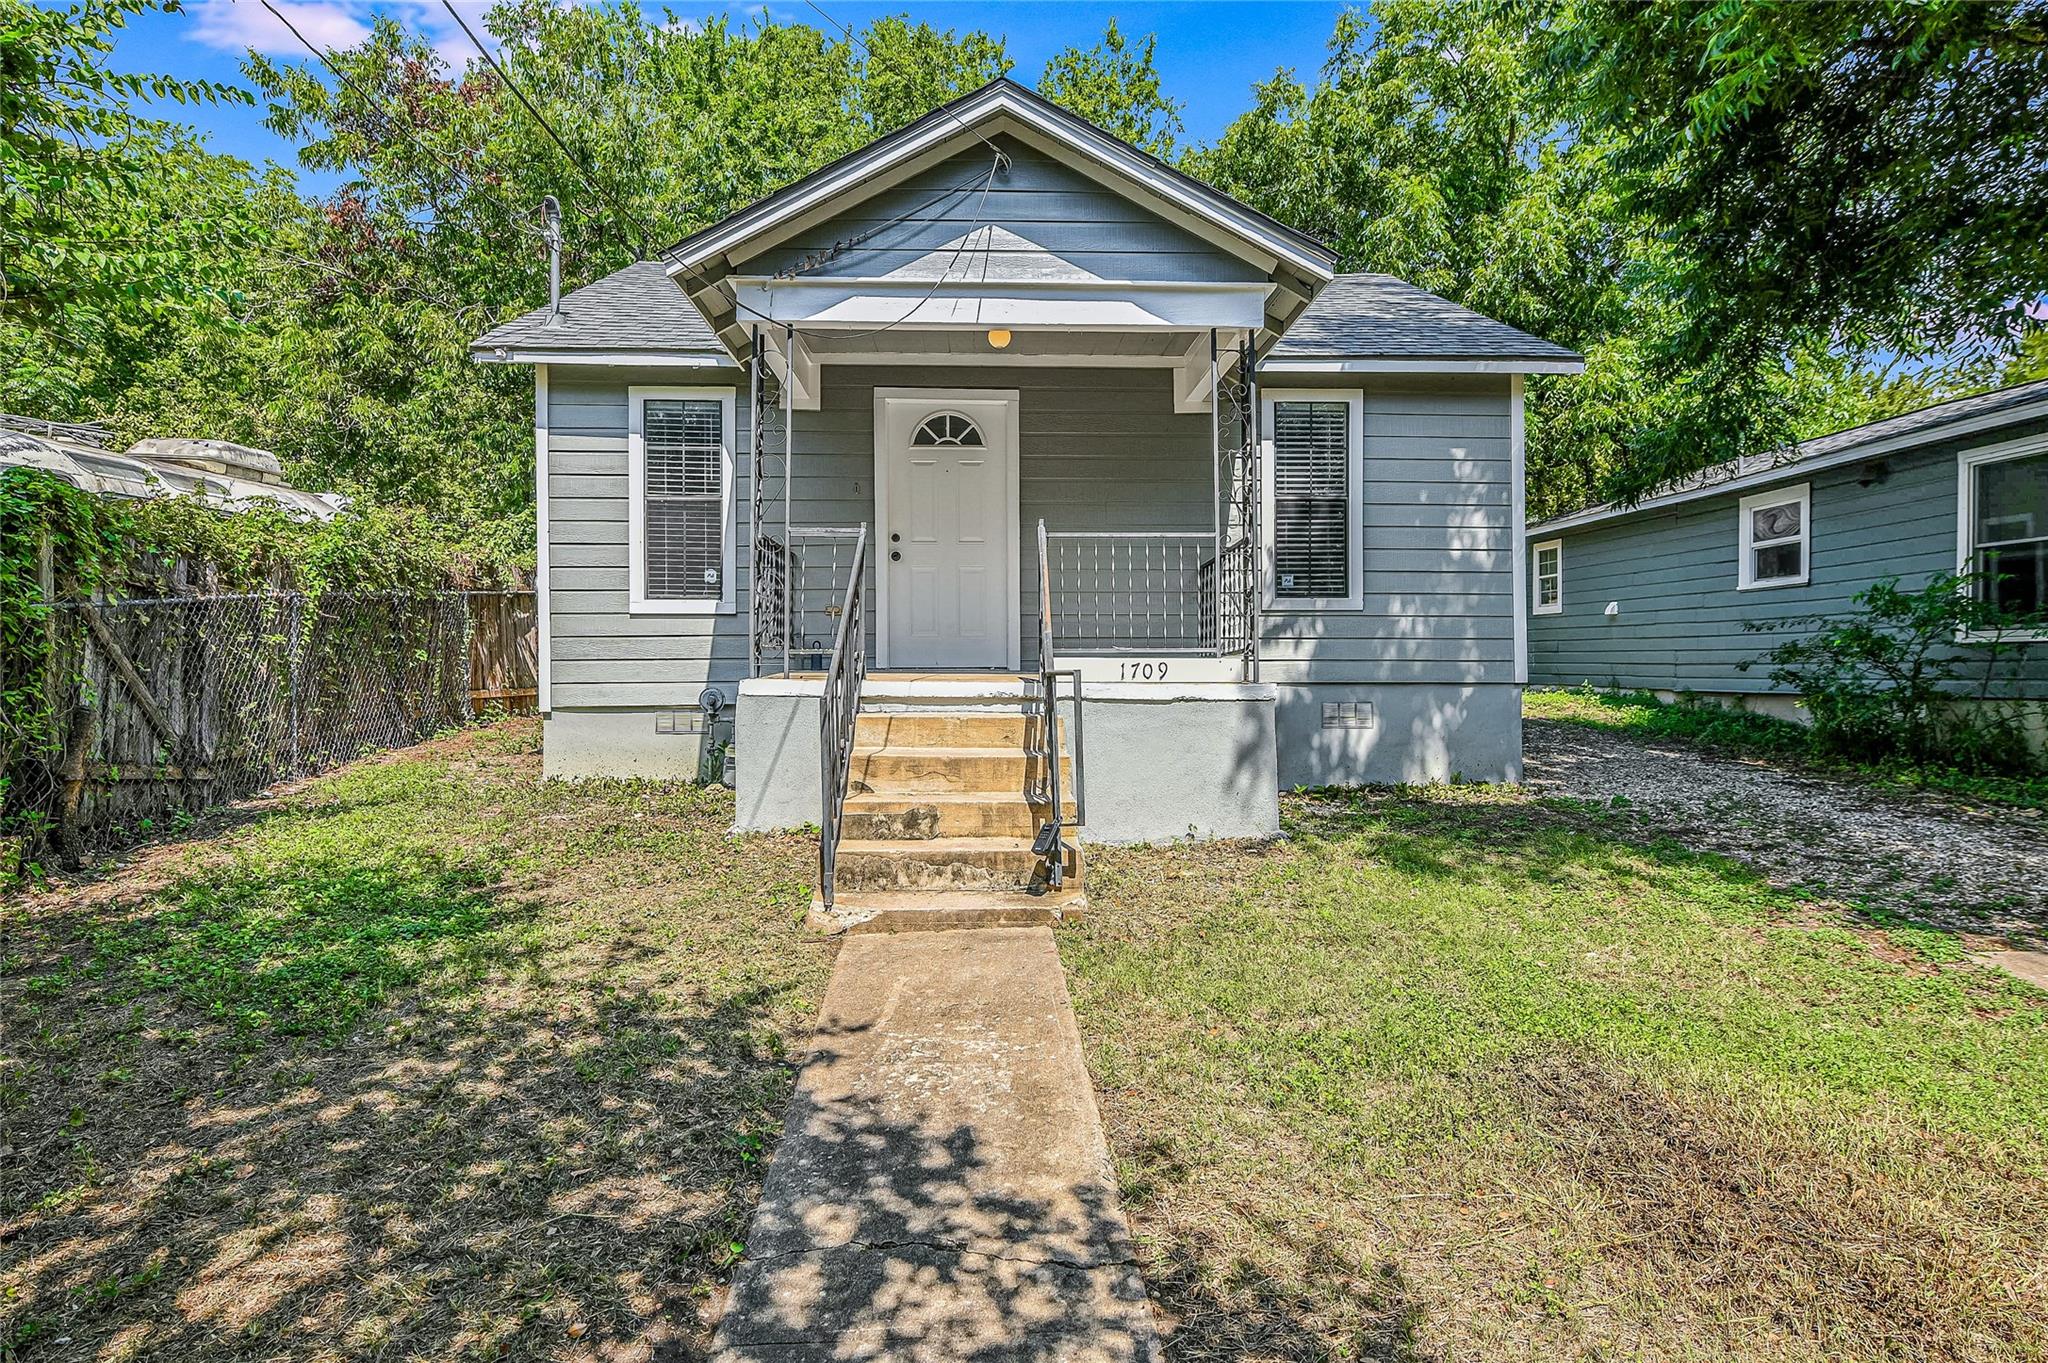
237,25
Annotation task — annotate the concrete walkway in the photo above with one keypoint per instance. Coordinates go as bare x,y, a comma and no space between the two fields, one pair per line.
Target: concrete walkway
942,1189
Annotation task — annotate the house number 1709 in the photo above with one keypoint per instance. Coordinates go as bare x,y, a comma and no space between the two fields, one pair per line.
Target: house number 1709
1151,671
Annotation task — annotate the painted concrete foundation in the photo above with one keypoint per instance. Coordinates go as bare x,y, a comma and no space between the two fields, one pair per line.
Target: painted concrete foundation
587,744
1160,762
1409,734
776,735
1164,762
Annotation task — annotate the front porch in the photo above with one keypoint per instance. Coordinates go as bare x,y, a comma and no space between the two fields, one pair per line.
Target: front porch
1043,573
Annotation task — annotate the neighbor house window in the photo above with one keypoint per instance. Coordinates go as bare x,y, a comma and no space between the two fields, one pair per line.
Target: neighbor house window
2004,530
1315,451
680,490
1776,536
1547,584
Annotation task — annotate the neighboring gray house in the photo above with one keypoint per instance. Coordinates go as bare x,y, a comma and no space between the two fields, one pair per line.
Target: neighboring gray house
1279,507
1655,596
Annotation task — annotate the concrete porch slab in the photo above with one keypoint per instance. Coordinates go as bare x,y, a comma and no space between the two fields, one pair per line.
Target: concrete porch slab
942,1189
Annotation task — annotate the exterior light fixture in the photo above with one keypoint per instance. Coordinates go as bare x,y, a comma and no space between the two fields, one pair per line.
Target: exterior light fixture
999,337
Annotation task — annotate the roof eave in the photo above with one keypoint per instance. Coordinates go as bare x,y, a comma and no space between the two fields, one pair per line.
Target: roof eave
1797,468
1424,364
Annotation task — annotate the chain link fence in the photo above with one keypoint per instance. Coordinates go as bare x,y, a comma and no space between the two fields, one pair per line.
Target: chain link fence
162,707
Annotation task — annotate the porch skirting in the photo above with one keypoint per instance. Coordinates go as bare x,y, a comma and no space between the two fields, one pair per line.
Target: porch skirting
1159,761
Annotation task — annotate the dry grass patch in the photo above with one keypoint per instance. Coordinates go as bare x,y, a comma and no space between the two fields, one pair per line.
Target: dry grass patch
424,1059
1456,1074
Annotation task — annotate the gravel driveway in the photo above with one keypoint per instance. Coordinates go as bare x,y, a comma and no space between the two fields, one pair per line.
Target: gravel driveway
1926,857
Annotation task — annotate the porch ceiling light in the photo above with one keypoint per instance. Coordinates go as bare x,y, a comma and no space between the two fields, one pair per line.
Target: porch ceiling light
999,337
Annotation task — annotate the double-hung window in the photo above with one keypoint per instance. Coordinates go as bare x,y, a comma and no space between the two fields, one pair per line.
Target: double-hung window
1546,585
2003,530
1315,456
680,495
1777,537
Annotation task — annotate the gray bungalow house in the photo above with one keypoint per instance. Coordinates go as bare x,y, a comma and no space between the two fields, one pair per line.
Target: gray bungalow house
1655,596
999,481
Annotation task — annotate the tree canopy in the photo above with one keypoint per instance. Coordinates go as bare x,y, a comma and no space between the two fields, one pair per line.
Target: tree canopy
1754,220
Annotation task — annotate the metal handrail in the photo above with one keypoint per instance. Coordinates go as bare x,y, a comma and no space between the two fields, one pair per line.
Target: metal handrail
1051,842
838,710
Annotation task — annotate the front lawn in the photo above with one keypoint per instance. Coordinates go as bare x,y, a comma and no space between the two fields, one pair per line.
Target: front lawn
1458,1074
423,1061
428,1060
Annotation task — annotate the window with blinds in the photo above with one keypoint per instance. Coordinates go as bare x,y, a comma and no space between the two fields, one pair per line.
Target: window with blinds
684,441
1311,500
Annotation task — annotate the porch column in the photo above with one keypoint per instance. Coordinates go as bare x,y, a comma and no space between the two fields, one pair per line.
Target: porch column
1216,484
788,486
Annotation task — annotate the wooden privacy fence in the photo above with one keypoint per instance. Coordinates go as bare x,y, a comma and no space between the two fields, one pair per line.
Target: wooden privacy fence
163,706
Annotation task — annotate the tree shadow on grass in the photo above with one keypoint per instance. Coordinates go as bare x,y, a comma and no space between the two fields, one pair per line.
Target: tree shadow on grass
882,1234
351,1111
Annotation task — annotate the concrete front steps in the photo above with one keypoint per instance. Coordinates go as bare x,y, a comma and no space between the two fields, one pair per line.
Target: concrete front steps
942,807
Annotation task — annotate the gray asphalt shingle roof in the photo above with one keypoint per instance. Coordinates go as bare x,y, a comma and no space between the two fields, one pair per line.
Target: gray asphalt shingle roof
638,309
1376,316
1367,316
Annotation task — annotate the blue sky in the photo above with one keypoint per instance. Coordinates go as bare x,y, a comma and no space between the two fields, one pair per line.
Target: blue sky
1210,52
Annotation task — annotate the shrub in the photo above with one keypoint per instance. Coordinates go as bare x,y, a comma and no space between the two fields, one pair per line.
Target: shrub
1895,681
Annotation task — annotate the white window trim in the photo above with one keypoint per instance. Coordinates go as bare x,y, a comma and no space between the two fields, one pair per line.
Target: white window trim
637,600
1536,606
1354,399
1746,579
1967,464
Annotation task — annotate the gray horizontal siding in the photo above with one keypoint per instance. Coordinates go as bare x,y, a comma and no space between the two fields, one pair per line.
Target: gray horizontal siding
1100,450
595,644
1672,574
1064,223
1437,540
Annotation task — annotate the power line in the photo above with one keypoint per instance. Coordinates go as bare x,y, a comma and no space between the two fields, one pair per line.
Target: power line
632,223
945,109
376,106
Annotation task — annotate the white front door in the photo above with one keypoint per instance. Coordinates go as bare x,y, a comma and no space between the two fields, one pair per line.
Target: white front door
947,537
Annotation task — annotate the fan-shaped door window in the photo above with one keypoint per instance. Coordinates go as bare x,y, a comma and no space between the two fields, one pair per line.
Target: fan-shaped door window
947,428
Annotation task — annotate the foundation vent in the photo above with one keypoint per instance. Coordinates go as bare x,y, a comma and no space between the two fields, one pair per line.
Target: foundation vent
679,722
1347,714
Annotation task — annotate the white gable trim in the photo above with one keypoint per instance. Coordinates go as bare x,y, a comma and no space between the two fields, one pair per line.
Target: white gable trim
998,108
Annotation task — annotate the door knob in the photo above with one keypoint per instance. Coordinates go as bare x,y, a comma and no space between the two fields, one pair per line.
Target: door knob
895,554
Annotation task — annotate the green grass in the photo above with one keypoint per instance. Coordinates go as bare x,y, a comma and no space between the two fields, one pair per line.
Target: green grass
427,1059
1458,1074
1742,733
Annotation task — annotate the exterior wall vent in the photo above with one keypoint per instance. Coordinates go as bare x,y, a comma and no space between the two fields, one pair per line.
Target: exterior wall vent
679,722
1347,714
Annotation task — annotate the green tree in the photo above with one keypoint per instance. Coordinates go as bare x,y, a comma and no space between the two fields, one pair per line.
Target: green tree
353,362
1115,85
1854,178
109,220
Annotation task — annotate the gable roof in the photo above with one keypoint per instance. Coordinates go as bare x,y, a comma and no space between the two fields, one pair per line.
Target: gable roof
1923,426
1001,103
635,311
1379,317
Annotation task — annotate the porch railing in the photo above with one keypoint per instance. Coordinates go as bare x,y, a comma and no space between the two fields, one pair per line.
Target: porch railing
1131,591
798,596
1051,841
838,711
